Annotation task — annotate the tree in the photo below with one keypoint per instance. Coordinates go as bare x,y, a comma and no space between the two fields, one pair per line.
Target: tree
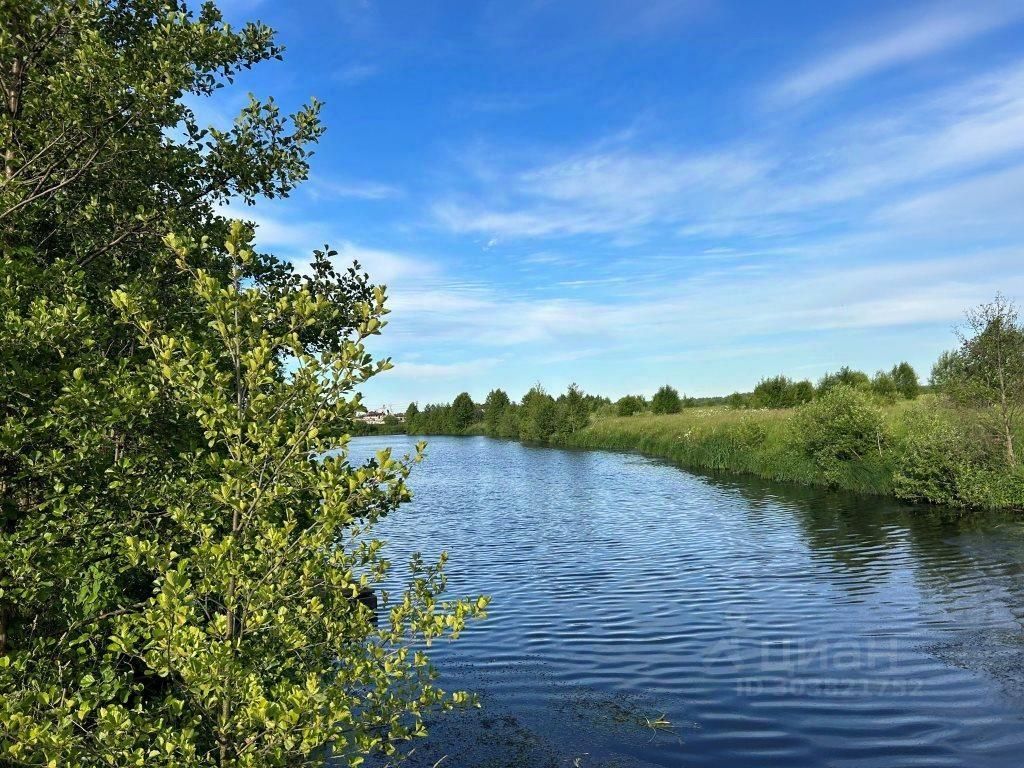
630,404
91,183
575,415
412,416
802,392
463,412
436,419
986,373
782,392
509,426
538,415
847,376
666,400
883,387
177,574
944,370
494,408
905,378
772,392
736,400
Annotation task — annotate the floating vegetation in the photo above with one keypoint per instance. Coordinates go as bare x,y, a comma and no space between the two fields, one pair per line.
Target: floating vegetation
660,723
620,714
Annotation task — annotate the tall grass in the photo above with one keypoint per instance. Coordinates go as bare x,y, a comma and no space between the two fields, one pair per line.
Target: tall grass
761,443
765,443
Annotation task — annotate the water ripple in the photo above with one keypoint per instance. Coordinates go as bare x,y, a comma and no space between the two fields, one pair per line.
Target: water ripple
769,626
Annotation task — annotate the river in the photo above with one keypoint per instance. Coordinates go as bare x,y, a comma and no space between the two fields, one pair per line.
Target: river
762,624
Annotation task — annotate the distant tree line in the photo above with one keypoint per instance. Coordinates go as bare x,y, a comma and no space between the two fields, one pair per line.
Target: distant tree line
538,417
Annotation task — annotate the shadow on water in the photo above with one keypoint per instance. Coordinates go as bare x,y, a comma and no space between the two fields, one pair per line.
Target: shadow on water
759,624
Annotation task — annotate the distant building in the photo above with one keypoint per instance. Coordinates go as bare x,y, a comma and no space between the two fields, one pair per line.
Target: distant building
380,416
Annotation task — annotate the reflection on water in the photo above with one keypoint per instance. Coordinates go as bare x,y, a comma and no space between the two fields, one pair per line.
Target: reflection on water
646,616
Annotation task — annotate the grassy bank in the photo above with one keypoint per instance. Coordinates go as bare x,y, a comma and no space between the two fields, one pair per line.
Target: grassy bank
923,453
765,443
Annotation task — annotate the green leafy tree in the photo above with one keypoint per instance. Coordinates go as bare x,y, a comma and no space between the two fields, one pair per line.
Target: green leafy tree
844,376
436,419
944,370
575,413
986,373
883,387
494,408
803,392
666,400
91,184
157,413
736,400
782,392
630,405
463,412
509,426
412,415
538,415
905,378
772,392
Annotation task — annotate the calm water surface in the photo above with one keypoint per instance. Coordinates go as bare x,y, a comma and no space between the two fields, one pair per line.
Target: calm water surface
770,625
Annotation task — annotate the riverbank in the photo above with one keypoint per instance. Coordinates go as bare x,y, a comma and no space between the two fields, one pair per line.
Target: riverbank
912,450
763,443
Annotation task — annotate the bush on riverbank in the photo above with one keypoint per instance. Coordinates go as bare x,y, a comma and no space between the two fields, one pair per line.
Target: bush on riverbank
918,451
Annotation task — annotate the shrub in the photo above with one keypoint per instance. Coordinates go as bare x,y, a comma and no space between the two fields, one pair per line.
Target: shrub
736,400
944,458
840,428
782,392
666,400
991,487
905,377
630,404
539,416
846,376
883,387
933,455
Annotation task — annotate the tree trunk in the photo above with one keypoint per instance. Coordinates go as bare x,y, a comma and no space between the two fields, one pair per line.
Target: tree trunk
1011,456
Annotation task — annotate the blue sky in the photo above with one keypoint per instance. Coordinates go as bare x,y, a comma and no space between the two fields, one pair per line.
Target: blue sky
699,192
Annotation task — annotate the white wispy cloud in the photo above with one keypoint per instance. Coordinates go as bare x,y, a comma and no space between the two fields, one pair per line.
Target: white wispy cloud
322,188
356,73
454,372
486,327
987,206
296,239
912,39
763,186
604,191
